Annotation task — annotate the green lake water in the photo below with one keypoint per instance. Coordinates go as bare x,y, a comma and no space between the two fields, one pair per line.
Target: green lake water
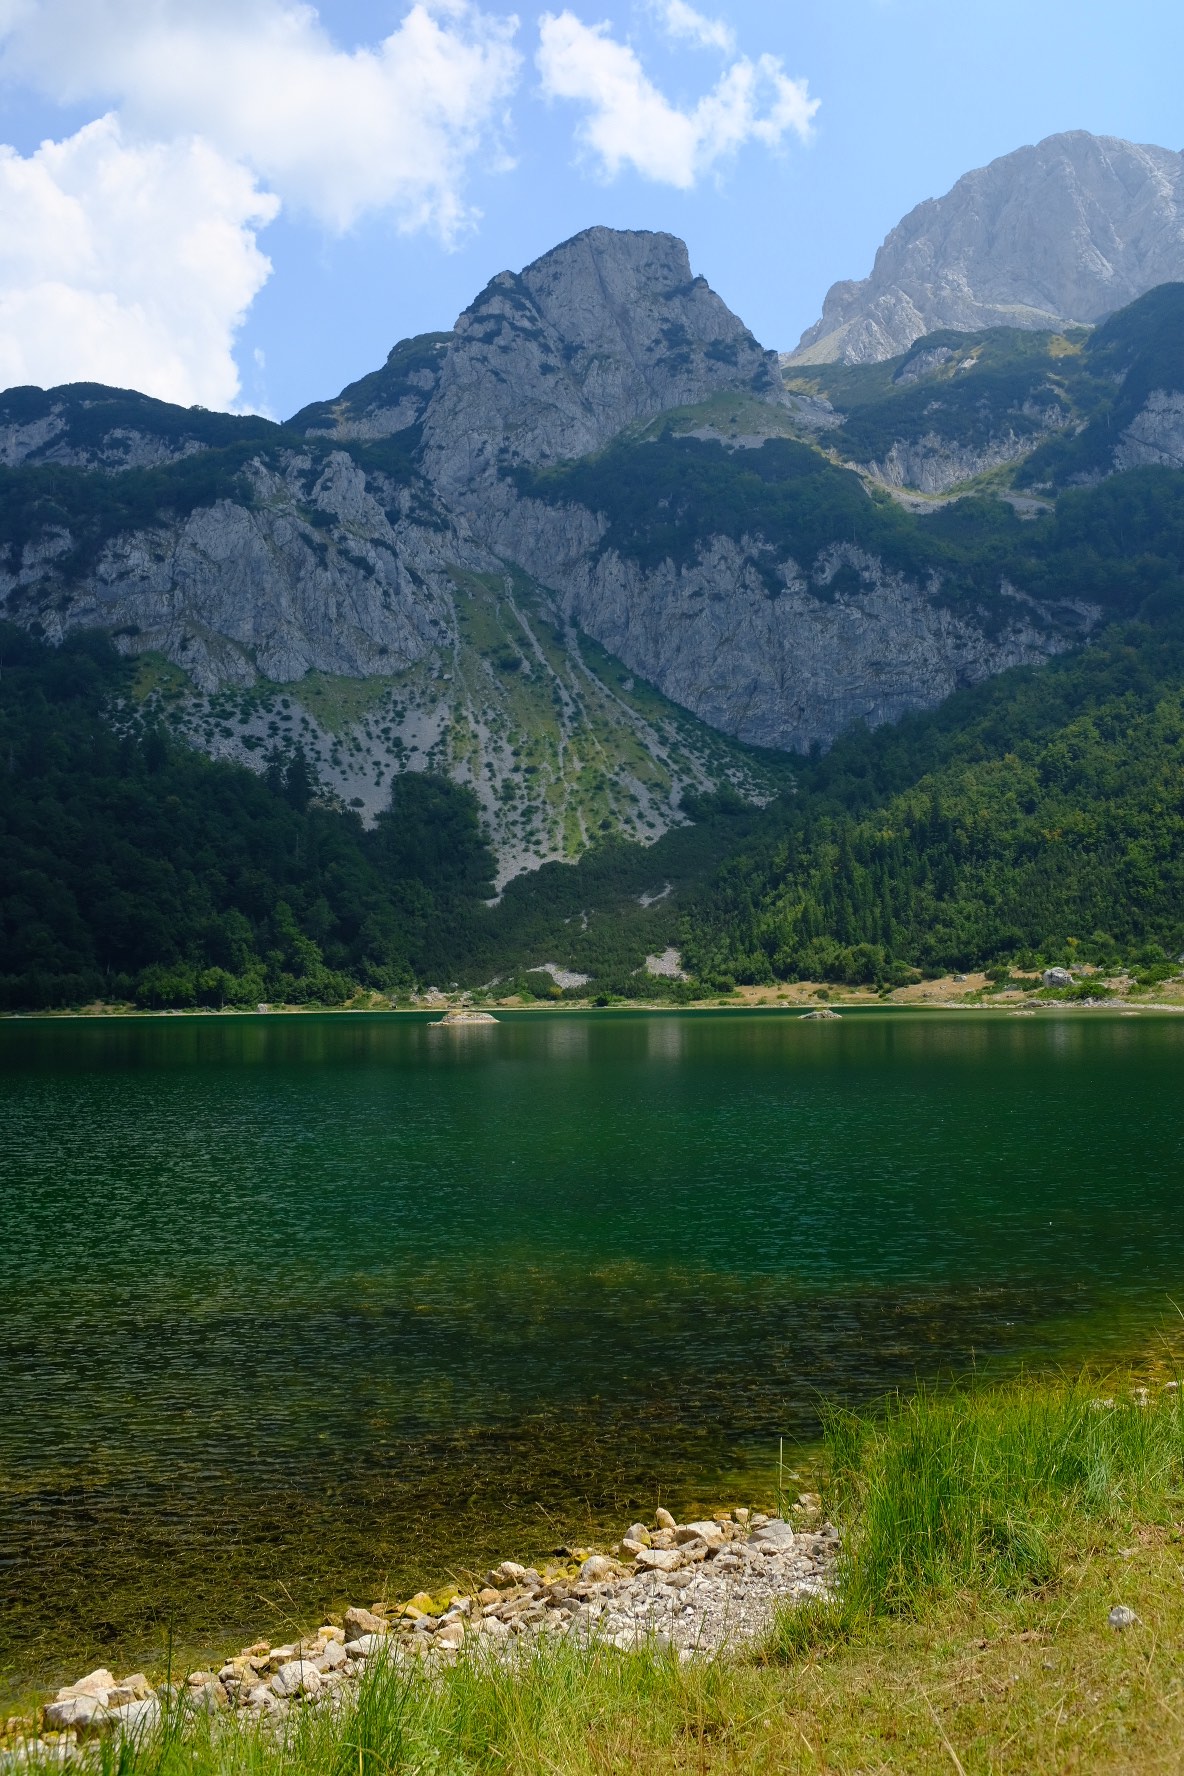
294,1310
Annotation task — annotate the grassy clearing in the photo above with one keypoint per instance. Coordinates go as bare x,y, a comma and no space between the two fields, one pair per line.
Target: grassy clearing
988,1536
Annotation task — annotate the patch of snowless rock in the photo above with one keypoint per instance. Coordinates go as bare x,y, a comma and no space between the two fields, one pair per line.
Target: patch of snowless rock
1059,234
700,1589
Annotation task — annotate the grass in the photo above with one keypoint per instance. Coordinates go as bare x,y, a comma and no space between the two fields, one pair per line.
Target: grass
987,1535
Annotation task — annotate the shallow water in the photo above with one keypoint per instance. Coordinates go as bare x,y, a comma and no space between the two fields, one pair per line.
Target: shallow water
296,1308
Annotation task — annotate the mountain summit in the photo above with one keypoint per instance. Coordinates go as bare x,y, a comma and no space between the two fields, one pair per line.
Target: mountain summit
573,550
549,363
1060,234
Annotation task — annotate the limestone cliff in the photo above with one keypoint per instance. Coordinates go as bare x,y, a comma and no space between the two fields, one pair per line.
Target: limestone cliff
314,566
1156,434
575,650
1050,236
844,639
549,363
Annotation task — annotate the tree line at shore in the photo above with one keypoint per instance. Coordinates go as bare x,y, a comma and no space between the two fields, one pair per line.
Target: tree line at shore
1036,818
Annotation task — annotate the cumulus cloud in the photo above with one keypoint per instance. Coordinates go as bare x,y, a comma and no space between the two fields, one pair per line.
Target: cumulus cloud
694,27
629,122
338,133
127,263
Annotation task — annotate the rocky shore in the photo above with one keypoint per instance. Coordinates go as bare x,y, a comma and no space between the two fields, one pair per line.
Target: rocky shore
701,1589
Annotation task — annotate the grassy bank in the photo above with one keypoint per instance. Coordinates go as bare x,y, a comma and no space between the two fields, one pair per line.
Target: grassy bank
988,1536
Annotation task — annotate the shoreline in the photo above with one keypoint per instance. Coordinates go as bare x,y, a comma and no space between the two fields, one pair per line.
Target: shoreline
978,1597
790,1009
709,1588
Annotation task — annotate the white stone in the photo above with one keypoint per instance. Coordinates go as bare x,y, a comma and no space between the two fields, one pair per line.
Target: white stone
333,1657
596,1568
363,1647
709,1532
136,1718
660,1559
298,1677
79,1714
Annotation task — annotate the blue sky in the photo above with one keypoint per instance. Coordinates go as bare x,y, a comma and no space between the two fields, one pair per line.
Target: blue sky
247,202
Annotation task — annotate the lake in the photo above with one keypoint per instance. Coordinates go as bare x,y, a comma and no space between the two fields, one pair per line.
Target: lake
295,1309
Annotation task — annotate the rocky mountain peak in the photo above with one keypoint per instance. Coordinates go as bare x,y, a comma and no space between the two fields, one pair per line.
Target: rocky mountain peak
1058,234
609,328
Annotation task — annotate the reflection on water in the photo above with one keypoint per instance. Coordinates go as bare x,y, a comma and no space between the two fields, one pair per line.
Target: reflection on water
566,1040
664,1039
321,1303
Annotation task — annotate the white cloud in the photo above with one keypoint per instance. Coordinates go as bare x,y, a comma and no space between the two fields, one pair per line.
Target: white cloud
338,133
683,21
631,123
127,263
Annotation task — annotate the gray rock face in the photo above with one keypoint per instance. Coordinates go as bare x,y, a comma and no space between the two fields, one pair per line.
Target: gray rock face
933,464
47,440
234,591
552,362
1156,435
780,672
88,426
1064,232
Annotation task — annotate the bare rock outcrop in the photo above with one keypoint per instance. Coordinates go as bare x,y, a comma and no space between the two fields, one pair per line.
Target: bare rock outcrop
1156,434
322,568
843,640
551,362
1049,236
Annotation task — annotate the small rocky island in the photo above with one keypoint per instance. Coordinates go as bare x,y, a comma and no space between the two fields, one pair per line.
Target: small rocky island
460,1016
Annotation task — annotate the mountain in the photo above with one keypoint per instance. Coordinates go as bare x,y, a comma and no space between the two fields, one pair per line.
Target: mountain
535,641
436,568
1057,235
349,553
606,330
1047,408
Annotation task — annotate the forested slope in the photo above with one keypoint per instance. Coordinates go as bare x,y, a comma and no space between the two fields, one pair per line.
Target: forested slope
1038,817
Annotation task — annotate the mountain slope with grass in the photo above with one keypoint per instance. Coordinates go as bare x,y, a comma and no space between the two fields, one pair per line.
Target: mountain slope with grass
598,459
133,867
613,644
1038,818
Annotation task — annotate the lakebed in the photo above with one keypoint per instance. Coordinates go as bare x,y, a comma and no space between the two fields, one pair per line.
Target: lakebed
299,1310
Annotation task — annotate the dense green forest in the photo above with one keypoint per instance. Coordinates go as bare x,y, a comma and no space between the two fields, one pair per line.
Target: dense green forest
1039,816
131,866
